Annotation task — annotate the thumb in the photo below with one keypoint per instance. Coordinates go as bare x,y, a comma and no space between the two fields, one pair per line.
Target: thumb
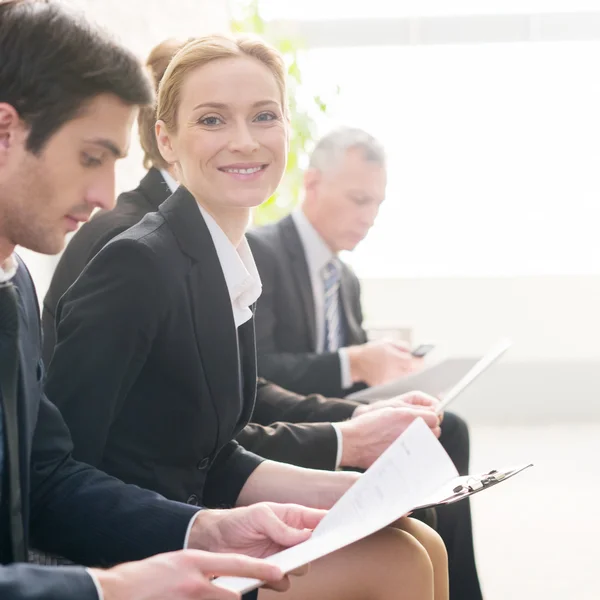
430,418
280,532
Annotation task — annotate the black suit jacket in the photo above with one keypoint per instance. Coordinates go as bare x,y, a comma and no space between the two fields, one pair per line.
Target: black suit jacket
68,507
286,427
285,314
146,365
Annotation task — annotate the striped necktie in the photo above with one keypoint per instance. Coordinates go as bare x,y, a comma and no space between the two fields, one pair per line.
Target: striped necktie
331,285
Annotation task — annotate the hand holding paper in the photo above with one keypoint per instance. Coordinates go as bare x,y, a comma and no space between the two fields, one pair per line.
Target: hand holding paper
414,471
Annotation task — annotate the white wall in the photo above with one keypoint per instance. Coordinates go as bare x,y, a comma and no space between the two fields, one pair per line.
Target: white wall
552,373
139,26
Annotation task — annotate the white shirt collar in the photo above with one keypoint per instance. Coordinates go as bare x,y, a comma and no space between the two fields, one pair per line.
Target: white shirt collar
318,253
170,181
241,275
8,268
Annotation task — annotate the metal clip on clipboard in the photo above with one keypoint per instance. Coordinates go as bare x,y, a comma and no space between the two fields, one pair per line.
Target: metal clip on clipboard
462,487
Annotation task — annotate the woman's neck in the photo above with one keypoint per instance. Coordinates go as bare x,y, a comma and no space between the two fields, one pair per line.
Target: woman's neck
233,221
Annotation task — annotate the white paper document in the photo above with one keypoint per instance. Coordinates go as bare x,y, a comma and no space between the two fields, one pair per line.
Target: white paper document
404,476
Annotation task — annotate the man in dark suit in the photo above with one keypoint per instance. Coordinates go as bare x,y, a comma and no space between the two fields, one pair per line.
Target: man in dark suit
309,332
65,117
286,427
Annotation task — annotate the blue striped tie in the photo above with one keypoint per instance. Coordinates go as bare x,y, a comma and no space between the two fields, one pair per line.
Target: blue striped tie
331,284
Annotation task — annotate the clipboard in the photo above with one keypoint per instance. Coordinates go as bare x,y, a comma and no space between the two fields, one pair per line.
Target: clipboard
463,487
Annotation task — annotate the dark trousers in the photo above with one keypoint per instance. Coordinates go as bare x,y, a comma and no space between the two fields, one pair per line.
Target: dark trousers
454,520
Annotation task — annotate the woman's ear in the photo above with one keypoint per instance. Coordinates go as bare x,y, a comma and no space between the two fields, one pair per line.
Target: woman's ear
164,142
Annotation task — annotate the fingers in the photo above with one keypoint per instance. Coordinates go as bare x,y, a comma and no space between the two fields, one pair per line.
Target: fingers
284,584
298,516
214,565
430,418
400,345
300,571
419,399
279,586
273,524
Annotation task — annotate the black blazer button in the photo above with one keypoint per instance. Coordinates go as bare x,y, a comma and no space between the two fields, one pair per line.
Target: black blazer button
203,464
193,499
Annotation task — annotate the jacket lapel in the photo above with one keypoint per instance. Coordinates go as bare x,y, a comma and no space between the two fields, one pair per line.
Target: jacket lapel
290,240
353,331
210,304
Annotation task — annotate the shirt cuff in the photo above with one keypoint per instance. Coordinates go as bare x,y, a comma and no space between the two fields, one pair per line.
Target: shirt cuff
340,445
188,532
96,584
345,374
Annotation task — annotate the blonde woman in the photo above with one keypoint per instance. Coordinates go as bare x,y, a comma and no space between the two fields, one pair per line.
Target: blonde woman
155,365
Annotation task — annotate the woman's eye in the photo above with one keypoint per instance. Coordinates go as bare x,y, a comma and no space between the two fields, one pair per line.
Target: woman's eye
266,116
211,121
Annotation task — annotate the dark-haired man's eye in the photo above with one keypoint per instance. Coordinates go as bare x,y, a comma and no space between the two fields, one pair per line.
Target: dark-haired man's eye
87,160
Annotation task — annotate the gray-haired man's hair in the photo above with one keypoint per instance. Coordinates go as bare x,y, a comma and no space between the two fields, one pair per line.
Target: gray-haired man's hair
331,149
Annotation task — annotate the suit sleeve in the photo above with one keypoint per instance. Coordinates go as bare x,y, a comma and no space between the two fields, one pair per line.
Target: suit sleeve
300,372
32,582
88,517
228,474
273,403
307,439
107,317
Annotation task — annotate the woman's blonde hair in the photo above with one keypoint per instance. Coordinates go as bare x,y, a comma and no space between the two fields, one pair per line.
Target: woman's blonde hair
156,64
201,51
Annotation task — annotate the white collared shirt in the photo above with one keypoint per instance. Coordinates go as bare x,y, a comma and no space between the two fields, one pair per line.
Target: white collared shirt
239,269
8,269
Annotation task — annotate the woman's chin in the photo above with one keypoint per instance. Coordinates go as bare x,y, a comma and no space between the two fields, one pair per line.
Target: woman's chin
248,201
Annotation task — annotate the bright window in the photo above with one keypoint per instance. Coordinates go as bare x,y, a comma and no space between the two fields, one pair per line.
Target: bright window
494,154
359,9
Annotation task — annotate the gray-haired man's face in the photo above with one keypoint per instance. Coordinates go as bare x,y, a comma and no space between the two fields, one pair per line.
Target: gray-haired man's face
343,203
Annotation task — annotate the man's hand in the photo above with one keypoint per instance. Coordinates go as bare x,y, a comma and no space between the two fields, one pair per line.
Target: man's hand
183,575
410,400
365,437
378,362
259,530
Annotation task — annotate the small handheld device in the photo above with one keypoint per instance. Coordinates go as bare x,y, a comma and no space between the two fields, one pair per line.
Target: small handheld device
422,350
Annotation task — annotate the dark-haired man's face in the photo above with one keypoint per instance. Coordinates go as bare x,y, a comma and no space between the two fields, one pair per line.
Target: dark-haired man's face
44,197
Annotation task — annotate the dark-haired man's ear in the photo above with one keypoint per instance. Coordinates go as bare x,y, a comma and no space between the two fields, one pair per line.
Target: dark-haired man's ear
9,125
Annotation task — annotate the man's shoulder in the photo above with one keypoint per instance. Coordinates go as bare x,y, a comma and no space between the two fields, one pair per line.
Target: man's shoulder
272,237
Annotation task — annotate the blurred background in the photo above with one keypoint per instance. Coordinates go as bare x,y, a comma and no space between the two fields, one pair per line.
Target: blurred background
490,114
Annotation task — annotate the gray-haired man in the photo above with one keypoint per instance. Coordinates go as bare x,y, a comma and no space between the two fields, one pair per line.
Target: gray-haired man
309,332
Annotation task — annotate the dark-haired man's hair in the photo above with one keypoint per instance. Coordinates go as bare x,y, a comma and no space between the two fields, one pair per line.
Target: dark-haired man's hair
52,63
